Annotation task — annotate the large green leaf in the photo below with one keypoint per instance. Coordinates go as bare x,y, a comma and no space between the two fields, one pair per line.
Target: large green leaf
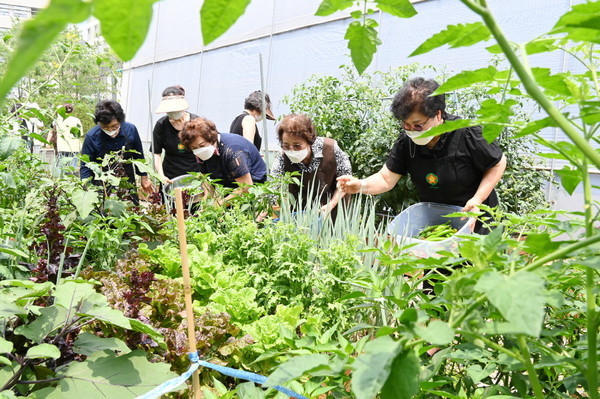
569,178
520,299
461,35
5,346
124,24
43,351
437,332
403,381
105,375
37,34
373,367
50,319
554,84
362,42
84,201
466,79
70,293
8,145
296,367
581,23
398,8
328,7
216,16
87,344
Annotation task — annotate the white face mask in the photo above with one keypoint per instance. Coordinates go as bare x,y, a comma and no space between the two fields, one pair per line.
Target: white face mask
258,118
175,115
297,156
204,153
111,133
415,137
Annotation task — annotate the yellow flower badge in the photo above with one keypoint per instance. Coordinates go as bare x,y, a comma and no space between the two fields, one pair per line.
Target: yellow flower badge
432,179
180,147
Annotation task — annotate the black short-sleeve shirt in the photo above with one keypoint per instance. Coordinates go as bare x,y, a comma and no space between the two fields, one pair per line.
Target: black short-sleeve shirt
177,160
471,156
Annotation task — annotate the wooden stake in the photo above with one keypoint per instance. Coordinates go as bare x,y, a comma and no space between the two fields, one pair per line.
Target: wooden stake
187,287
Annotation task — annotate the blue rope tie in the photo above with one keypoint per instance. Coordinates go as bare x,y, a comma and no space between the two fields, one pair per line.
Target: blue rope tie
172,384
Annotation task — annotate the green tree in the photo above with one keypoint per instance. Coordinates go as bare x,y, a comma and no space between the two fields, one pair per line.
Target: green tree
70,70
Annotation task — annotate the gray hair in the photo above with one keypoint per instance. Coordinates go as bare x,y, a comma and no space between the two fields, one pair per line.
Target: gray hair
254,101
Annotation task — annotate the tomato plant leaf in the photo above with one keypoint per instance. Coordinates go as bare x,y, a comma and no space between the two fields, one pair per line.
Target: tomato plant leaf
296,367
37,34
461,35
403,381
466,79
362,42
581,23
217,16
124,24
8,145
540,244
437,332
397,8
508,294
569,178
535,126
328,7
43,351
372,368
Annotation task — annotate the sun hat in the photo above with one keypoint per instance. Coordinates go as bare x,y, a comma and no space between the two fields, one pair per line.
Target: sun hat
172,104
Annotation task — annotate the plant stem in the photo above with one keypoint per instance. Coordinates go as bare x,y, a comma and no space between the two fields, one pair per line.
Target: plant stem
591,324
492,344
561,253
530,84
533,378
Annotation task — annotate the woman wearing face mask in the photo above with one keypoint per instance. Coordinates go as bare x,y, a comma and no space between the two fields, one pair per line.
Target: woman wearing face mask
456,168
113,135
245,123
177,159
228,157
318,160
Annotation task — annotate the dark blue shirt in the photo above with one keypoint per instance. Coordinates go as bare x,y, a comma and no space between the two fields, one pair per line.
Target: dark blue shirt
237,157
97,144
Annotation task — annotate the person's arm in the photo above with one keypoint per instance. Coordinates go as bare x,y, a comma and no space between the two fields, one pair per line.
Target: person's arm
249,128
159,169
380,182
145,181
244,181
490,178
343,168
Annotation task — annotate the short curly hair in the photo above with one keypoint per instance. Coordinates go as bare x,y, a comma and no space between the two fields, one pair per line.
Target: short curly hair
198,127
414,96
107,110
297,125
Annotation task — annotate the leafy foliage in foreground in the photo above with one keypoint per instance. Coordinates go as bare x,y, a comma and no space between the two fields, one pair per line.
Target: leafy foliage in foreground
49,355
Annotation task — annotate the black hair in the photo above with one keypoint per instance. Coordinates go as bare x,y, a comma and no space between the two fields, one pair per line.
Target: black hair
414,96
173,91
107,110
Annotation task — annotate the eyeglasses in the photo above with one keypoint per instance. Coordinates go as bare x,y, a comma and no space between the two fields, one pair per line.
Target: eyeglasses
293,147
416,128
